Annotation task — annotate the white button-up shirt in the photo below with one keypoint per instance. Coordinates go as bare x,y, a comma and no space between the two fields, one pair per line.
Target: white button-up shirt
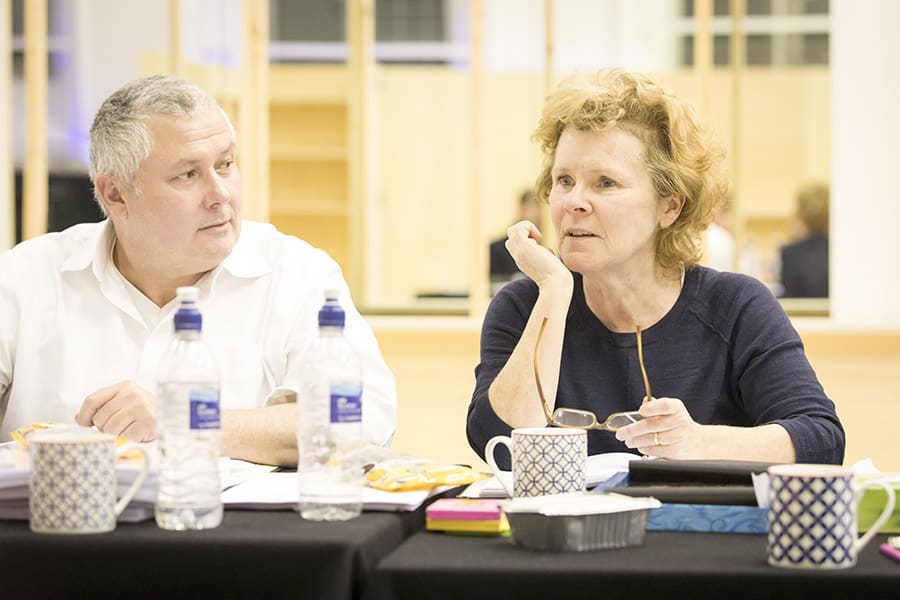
70,324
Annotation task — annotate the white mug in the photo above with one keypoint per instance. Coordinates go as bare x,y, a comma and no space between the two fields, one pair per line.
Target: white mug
545,460
812,516
73,482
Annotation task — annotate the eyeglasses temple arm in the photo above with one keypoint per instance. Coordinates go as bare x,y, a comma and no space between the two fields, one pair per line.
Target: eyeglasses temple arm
537,377
641,362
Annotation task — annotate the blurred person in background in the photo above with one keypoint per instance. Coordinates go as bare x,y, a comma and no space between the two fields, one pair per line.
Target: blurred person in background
804,263
503,267
633,181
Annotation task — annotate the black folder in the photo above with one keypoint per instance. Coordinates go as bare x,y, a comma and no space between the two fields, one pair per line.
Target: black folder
693,481
732,495
694,472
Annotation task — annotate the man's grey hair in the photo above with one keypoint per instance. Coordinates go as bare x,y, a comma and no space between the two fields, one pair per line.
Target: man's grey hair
120,139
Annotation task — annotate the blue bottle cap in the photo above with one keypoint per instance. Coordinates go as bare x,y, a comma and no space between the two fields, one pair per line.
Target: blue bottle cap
331,314
188,317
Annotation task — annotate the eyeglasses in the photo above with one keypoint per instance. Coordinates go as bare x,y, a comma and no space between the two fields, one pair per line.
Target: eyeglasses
574,418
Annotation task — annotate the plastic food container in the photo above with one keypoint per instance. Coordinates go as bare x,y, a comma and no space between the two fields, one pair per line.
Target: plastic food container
578,522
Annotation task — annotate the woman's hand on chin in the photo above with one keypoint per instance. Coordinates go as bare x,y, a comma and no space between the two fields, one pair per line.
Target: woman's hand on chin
538,262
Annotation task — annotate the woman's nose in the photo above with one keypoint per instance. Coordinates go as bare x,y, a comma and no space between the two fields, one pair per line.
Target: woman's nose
576,200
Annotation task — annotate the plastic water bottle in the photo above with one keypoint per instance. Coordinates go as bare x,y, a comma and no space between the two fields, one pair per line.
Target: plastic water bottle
329,422
187,426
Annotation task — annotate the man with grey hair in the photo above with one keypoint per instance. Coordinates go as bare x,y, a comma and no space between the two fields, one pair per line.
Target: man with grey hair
85,314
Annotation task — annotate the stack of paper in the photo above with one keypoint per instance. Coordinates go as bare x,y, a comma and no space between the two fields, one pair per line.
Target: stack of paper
281,491
466,515
14,493
244,485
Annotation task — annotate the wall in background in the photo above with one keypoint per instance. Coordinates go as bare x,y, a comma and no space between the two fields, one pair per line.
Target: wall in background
865,203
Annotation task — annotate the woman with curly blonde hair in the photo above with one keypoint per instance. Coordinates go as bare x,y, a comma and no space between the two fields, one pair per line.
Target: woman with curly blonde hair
633,180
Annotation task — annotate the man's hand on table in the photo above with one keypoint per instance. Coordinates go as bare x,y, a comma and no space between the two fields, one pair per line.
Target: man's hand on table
123,409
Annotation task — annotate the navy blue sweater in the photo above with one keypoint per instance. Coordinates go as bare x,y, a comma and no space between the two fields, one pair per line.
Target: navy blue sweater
726,349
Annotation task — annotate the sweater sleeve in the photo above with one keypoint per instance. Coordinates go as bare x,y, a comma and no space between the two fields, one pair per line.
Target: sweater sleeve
503,326
776,382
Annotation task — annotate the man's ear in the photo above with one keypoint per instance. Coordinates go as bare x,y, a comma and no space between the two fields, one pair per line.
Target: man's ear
109,191
672,206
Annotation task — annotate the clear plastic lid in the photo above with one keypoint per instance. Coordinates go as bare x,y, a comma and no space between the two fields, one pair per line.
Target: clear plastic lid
578,504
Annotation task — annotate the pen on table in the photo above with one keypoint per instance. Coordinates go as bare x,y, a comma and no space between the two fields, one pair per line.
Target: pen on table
890,552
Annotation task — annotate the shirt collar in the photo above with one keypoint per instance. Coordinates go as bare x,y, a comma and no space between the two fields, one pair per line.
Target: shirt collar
246,260
94,249
242,262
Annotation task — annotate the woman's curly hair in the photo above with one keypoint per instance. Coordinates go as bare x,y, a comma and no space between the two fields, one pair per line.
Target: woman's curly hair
681,156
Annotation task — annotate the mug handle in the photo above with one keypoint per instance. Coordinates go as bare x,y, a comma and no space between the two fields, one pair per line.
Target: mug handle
138,481
885,514
504,477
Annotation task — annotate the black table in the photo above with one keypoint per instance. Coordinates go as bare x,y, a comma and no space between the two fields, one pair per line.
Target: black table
668,566
253,554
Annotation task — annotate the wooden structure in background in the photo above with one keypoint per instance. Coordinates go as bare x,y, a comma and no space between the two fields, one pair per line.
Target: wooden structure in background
35,176
703,53
309,156
176,48
478,275
360,33
550,239
736,59
253,101
548,45
703,61
7,195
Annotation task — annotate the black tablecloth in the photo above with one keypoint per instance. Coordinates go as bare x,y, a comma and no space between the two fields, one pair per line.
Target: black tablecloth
669,565
253,554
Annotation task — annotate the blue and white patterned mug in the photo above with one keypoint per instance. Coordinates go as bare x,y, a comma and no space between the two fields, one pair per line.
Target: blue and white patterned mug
545,460
73,482
812,516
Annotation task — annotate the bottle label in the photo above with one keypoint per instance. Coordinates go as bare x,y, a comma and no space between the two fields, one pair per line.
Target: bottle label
204,409
346,405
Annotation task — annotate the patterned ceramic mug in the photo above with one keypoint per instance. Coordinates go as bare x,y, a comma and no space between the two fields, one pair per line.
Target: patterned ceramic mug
73,482
545,460
812,516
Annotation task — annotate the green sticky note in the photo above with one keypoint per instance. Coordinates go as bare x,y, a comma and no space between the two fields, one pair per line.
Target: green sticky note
871,505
